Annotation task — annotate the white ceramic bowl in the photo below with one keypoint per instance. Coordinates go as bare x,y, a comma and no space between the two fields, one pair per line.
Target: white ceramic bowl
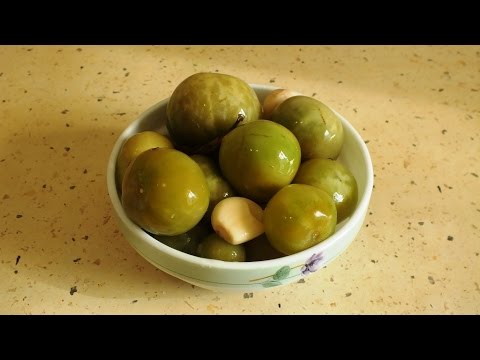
245,276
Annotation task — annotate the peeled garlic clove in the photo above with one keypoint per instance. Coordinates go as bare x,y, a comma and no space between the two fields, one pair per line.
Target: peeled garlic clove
275,98
237,220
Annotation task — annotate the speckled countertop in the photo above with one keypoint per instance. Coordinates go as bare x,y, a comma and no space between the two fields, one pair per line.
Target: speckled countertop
62,109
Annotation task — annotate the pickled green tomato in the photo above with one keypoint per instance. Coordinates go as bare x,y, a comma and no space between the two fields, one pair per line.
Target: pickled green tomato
259,249
299,217
219,188
134,146
335,179
205,106
259,158
318,129
186,242
214,247
165,192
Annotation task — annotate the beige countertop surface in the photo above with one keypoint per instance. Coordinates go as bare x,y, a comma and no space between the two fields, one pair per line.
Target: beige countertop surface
63,107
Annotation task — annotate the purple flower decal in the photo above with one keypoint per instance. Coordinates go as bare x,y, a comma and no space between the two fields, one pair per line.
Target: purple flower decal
312,264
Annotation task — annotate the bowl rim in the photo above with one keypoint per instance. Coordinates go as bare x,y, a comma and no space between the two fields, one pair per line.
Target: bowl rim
355,218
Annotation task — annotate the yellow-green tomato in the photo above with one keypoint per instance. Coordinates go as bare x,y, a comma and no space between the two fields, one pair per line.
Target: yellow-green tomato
134,146
165,192
335,179
259,158
318,129
214,247
299,217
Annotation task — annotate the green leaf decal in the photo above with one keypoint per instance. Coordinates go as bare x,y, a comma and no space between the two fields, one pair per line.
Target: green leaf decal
271,283
282,273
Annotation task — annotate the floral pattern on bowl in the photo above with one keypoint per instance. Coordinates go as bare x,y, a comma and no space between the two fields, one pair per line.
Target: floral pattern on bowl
313,264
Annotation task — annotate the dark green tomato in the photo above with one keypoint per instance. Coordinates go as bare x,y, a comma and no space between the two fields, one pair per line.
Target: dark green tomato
259,158
205,106
318,129
186,242
259,249
165,192
335,179
219,188
214,247
299,217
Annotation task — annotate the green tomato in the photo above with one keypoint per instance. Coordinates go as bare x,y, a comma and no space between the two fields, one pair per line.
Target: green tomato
186,242
134,146
214,247
335,179
219,188
205,106
299,217
165,192
259,158
259,249
318,129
